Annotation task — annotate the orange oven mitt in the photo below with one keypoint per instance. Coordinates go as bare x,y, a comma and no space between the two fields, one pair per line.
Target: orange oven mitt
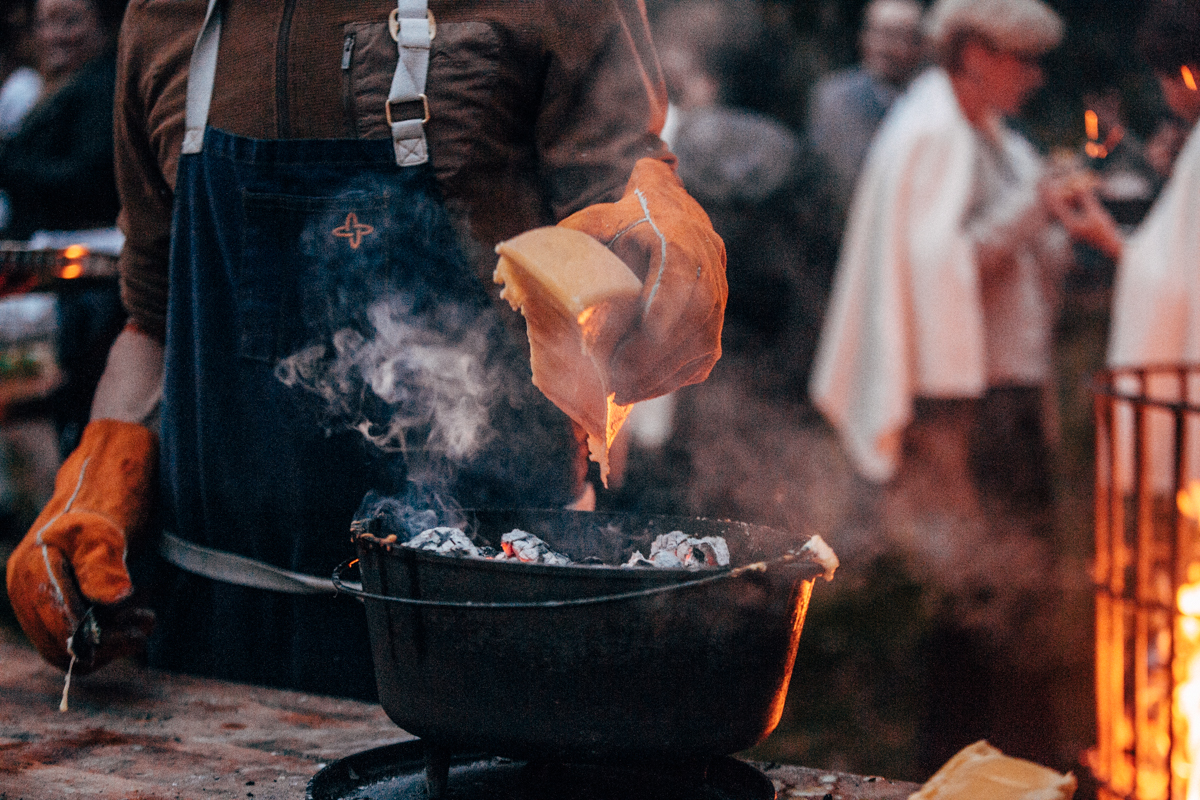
665,237
75,552
608,331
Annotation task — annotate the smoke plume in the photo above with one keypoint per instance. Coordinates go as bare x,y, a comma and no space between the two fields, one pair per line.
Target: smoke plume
412,380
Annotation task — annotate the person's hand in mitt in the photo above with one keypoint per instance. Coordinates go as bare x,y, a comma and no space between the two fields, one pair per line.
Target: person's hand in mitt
665,237
67,578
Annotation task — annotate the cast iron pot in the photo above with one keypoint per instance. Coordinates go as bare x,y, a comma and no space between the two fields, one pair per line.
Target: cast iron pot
586,663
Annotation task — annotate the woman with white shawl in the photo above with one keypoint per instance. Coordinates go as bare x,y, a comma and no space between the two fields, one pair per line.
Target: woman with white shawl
936,350
936,353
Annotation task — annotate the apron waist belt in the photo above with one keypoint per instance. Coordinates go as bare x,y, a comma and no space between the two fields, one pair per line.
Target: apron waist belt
226,567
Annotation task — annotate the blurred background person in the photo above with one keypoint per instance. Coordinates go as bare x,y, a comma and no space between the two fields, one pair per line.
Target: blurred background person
20,87
20,83
935,361
1156,319
1163,147
949,258
57,168
848,106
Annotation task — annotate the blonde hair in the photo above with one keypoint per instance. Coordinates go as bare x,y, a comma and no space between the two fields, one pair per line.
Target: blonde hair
1018,26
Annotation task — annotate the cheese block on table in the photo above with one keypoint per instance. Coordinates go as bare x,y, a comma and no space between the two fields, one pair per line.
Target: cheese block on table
981,772
578,300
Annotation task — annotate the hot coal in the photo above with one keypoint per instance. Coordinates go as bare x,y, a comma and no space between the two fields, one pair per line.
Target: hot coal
677,549
525,547
674,550
448,542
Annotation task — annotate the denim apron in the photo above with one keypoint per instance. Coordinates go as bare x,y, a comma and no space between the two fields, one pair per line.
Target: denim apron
276,245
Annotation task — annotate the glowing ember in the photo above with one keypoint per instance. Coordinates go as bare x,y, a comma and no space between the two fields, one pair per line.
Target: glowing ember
72,270
74,251
522,546
677,549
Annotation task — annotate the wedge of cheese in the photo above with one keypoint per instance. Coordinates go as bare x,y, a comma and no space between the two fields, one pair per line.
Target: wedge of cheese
981,772
578,299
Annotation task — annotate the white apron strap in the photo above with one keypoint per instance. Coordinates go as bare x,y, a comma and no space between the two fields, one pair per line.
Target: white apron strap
413,33
201,74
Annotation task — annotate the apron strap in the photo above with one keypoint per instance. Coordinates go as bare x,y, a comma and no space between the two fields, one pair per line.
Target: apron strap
413,36
201,74
408,83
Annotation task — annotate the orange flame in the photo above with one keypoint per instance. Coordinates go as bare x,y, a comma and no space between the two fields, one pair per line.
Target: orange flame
1186,662
1189,80
1149,743
72,270
75,251
1091,123
1188,501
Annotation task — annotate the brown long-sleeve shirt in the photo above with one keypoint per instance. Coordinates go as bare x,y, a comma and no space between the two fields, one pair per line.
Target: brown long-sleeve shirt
537,107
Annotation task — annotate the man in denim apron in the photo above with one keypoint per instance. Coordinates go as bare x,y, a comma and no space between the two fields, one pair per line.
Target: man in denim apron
285,254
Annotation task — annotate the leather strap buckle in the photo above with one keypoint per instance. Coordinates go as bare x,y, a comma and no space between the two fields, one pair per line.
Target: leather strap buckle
387,108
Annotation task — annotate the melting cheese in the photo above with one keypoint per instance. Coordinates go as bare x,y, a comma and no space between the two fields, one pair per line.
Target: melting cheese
981,771
62,704
578,299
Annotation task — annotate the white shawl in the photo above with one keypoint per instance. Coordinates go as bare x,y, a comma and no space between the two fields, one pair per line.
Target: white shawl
905,317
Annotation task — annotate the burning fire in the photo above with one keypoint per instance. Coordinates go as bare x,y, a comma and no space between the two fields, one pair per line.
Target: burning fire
1149,718
1166,747
1189,80
1186,662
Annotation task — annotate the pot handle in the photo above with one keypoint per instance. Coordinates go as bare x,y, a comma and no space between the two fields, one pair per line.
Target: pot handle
804,554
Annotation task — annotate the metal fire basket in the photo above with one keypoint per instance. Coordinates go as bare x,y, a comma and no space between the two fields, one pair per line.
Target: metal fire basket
1147,579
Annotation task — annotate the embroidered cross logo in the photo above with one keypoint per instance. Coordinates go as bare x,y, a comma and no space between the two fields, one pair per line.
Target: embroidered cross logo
353,230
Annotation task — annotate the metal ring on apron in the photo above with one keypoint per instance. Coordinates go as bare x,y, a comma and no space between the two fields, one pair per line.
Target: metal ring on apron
394,24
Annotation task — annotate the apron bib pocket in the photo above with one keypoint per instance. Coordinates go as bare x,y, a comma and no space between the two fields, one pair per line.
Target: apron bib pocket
310,266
